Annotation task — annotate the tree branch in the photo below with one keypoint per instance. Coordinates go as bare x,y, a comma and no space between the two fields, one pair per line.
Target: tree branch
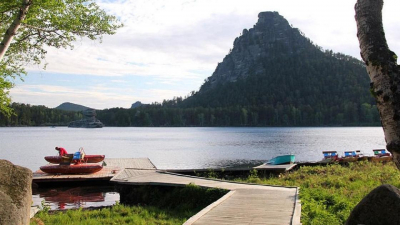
11,31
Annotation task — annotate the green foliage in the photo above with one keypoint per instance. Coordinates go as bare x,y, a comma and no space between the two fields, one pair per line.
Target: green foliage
118,214
5,101
253,177
329,193
47,24
211,174
44,207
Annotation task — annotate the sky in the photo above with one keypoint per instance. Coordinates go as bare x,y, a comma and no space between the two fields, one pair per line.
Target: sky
168,48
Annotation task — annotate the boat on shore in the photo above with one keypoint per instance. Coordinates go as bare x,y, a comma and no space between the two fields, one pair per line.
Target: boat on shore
349,156
85,159
330,156
282,159
380,155
80,168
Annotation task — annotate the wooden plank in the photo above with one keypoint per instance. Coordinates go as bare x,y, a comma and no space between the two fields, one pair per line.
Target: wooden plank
269,167
246,203
249,206
133,163
263,167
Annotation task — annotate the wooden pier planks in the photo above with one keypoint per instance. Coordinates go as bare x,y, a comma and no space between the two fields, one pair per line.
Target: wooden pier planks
134,163
250,206
247,204
277,168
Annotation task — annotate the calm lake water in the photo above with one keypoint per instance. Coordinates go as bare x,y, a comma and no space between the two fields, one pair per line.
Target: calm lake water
173,148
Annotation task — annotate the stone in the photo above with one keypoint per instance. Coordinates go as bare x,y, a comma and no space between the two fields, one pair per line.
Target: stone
380,206
15,193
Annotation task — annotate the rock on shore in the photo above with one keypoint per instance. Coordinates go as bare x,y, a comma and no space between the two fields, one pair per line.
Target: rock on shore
15,193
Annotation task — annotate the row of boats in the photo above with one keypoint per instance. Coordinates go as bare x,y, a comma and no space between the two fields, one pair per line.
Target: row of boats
77,163
380,155
80,163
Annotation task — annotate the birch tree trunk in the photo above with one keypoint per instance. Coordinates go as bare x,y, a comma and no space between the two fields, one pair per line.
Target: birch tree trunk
12,30
382,69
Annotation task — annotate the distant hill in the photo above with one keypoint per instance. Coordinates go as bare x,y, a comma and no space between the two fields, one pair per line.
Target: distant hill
67,106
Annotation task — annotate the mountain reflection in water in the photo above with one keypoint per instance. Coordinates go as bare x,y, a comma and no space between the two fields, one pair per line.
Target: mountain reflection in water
75,197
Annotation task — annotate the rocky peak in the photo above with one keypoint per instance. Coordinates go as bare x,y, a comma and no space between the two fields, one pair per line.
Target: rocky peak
270,37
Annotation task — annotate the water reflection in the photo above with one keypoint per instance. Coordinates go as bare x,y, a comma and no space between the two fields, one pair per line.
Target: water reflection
75,197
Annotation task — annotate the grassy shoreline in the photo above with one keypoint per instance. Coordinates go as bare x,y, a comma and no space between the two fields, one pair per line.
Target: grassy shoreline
327,194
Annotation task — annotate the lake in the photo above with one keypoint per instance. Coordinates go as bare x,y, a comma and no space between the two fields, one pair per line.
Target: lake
186,148
173,148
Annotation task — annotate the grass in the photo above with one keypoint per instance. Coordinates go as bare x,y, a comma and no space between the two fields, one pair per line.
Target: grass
329,193
175,207
118,214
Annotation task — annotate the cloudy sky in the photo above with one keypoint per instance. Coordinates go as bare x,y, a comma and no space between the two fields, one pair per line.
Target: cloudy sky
168,48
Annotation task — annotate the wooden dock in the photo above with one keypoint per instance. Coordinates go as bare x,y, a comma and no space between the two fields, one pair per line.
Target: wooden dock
262,168
244,204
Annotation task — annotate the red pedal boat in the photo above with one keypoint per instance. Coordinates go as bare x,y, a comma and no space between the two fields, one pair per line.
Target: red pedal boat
86,159
72,169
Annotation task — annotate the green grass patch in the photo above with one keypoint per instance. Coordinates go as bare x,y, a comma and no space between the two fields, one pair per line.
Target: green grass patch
329,193
118,214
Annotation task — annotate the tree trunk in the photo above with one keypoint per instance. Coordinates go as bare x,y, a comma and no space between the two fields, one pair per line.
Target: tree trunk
382,69
12,30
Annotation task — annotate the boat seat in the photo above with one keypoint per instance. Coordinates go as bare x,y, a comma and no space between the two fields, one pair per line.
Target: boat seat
77,156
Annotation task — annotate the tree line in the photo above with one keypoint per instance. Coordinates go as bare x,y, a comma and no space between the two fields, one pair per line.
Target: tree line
30,115
159,115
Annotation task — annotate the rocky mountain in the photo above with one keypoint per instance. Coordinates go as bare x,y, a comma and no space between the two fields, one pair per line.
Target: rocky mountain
272,38
273,67
67,106
136,104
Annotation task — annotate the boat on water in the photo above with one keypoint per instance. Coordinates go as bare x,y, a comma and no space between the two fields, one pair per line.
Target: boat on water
89,120
79,168
85,159
282,159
